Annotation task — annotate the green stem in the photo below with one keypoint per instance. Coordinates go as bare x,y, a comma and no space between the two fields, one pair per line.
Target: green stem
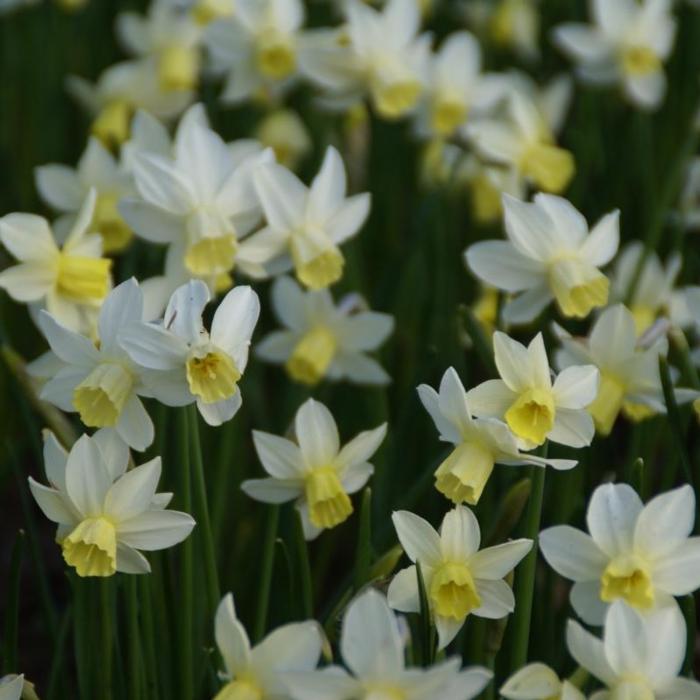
426,627
200,495
149,644
363,556
302,551
135,650
106,650
525,579
268,562
57,659
12,609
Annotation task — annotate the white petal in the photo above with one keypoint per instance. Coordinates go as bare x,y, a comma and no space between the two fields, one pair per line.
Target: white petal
526,307
490,398
572,553
55,457
588,651
282,194
494,563
27,282
292,647
572,427
512,360
231,637
114,451
613,337
150,222
625,640
403,591
530,228
52,503
678,572
317,434
130,561
280,457
135,426
586,601
220,412
183,315
133,492
453,400
123,305
430,400
360,448
349,218
59,186
576,387
73,348
570,226
155,529
153,347
499,264
602,243
330,683
27,237
87,478
365,331
532,682
612,515
665,630
459,534
447,629
497,599
360,368
233,323
328,187
160,183
272,490
288,303
417,537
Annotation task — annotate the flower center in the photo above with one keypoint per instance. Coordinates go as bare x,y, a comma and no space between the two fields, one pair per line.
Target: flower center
607,404
485,198
577,286
212,243
100,397
329,504
505,20
178,68
452,591
206,11
448,114
213,376
91,548
486,309
111,125
384,692
396,98
531,416
628,577
631,687
639,61
548,166
312,356
115,232
241,689
82,279
463,475
317,260
275,55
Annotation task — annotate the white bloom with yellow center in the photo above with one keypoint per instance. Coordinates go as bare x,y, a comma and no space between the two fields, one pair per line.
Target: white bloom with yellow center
460,579
65,189
372,645
642,554
305,225
99,380
71,281
105,514
314,471
537,681
321,339
285,132
520,137
258,673
170,37
257,48
480,443
185,362
202,199
639,657
535,408
510,24
627,44
550,254
11,688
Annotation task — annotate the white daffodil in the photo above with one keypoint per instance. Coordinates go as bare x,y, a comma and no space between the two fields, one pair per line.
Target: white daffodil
480,443
538,682
259,672
642,554
629,371
257,48
314,471
372,646
71,281
324,340
286,134
170,37
99,381
627,45
377,53
122,89
549,254
105,514
639,658
205,12
201,200
11,686
510,24
190,364
305,225
521,138
460,579
654,294
65,189
534,408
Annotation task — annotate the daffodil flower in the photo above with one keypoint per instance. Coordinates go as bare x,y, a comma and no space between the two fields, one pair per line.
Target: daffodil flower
99,381
324,340
479,443
549,254
305,225
11,688
638,657
627,45
286,134
372,646
314,471
537,681
641,554
65,189
185,362
70,281
106,514
535,408
460,579
258,673
510,24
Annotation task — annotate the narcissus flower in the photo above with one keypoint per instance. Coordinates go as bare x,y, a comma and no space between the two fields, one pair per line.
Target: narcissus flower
99,380
460,579
286,134
639,657
510,24
259,672
305,225
550,254
11,688
314,471
65,189
627,45
189,363
534,408
641,554
372,645
324,340
105,514
70,281
538,682
480,443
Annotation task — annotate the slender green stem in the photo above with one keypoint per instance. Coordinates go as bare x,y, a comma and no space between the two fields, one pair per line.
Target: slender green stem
149,646
268,563
57,659
426,627
12,608
106,641
134,632
304,567
688,608
525,577
363,556
202,511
